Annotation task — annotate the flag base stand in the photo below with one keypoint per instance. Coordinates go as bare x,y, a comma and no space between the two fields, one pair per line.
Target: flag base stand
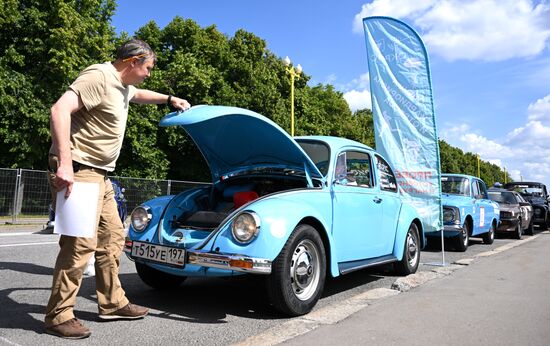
436,264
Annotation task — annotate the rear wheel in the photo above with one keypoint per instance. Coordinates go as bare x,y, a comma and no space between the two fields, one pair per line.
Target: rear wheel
411,253
157,279
298,275
462,240
489,237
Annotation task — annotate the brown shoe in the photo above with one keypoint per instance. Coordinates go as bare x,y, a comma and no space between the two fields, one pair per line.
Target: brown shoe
71,329
129,312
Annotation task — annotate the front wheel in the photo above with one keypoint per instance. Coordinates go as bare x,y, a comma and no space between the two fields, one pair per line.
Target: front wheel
489,237
298,273
518,233
463,239
411,253
531,228
157,279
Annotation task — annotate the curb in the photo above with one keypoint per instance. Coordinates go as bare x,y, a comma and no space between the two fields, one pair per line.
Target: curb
335,313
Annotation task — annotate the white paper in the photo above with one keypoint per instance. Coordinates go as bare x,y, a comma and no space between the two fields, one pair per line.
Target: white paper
76,216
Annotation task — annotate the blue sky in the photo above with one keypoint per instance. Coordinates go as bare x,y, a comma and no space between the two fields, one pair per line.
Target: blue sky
490,60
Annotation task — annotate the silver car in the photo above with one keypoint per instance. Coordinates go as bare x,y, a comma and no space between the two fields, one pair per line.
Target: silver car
516,214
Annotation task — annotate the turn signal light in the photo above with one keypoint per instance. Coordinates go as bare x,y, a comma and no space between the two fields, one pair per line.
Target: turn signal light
240,264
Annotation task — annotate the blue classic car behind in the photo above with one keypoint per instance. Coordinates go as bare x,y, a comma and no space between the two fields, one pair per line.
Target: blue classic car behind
467,210
294,210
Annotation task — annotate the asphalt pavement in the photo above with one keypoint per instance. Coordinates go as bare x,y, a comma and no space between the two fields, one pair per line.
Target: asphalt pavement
494,294
501,297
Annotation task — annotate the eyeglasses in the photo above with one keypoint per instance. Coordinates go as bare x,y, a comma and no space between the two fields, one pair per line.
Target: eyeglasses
135,57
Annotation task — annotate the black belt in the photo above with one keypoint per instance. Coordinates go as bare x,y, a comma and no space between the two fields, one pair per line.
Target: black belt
77,166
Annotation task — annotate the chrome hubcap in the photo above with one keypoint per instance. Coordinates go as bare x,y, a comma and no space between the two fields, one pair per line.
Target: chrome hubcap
304,270
412,249
465,236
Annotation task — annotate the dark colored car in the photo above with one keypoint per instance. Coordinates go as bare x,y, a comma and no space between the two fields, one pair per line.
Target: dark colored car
536,194
516,214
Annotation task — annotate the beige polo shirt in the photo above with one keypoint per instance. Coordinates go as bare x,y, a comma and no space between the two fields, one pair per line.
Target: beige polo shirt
97,129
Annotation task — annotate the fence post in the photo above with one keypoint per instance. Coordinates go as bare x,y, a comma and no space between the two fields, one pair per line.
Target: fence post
16,197
169,187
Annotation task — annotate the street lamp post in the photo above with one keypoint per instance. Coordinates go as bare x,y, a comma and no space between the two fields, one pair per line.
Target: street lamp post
294,73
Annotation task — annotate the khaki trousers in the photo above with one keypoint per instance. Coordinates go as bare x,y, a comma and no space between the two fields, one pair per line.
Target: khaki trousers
75,251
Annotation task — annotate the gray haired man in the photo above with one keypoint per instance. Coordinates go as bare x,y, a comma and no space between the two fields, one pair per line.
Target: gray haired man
87,127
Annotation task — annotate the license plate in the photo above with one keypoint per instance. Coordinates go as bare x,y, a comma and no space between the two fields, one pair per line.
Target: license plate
158,253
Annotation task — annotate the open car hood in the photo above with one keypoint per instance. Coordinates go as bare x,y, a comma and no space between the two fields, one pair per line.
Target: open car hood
234,139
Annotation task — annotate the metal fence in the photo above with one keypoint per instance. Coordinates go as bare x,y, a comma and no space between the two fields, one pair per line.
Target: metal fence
25,194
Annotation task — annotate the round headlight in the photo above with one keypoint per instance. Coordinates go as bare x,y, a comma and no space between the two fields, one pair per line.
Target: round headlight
245,227
141,217
450,215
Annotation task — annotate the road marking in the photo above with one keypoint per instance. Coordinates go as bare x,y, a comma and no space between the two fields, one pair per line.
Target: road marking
20,233
29,244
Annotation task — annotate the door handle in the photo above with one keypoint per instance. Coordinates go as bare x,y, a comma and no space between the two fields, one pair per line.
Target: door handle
377,200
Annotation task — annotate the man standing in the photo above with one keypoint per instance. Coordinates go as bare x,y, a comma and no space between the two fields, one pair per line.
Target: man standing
87,127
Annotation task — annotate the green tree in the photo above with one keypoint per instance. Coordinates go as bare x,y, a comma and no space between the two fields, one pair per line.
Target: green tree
43,46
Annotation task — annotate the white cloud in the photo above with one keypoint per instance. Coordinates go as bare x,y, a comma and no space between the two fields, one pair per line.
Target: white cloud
462,136
358,99
487,30
524,152
540,110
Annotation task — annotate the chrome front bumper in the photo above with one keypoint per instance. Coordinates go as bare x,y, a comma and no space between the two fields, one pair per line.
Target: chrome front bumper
235,262
507,225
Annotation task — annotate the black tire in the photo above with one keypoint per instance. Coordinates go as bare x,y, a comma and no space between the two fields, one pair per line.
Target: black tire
463,239
157,279
518,233
489,237
531,228
544,224
298,273
411,253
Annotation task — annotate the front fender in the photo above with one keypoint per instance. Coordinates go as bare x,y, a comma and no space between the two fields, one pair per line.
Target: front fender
157,206
279,215
407,215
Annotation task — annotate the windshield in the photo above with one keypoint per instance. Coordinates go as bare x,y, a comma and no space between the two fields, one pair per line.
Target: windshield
455,185
318,152
531,191
503,197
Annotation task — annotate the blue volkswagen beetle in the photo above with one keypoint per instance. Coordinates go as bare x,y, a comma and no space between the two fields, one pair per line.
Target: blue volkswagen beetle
292,209
467,210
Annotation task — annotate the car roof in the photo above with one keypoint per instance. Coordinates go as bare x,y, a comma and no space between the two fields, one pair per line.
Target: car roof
335,142
528,183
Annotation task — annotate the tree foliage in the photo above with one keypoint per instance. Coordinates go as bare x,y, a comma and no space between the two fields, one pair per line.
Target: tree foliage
44,44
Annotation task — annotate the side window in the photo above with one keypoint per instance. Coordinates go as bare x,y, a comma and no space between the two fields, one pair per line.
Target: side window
483,189
340,171
354,168
475,189
388,182
358,168
479,190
